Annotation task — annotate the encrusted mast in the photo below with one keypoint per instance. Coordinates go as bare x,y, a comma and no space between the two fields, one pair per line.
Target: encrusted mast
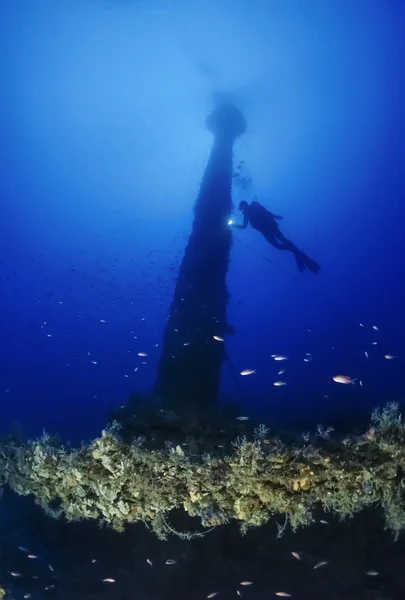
190,363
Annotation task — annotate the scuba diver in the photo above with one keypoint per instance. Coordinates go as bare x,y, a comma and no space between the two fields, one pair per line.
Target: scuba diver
264,221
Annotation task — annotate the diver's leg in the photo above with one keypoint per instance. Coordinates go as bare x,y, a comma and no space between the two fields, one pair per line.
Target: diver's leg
300,257
272,240
286,245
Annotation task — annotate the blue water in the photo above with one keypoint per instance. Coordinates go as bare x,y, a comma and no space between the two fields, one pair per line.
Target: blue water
104,151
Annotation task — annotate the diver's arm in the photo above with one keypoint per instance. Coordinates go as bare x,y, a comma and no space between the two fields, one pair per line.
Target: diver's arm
276,216
244,224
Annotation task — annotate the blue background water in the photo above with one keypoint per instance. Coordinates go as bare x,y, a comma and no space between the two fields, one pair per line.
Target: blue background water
105,149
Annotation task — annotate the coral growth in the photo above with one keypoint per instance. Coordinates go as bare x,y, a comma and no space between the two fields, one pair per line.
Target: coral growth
119,483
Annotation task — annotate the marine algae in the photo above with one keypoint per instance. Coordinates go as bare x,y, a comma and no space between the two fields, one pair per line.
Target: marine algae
119,483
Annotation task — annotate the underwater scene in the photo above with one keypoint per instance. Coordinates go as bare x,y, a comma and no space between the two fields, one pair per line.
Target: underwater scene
202,374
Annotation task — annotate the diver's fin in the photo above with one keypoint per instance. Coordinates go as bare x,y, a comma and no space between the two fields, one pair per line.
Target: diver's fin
310,264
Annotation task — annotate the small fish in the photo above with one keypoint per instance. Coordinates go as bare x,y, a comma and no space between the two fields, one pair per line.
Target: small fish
23,549
279,357
307,359
242,418
281,371
372,573
279,383
366,354
362,324
148,560
142,354
94,362
27,595
32,556
15,573
248,372
108,580
374,343
389,356
171,561
213,594
324,522
103,321
94,560
218,338
375,327
49,587
51,568
246,583
186,344
343,379
296,555
284,594
322,563
361,383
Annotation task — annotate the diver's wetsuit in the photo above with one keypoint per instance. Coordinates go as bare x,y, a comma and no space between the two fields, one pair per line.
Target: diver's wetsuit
264,221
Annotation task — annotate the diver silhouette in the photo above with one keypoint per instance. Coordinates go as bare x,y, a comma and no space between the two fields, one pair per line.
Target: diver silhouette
264,221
